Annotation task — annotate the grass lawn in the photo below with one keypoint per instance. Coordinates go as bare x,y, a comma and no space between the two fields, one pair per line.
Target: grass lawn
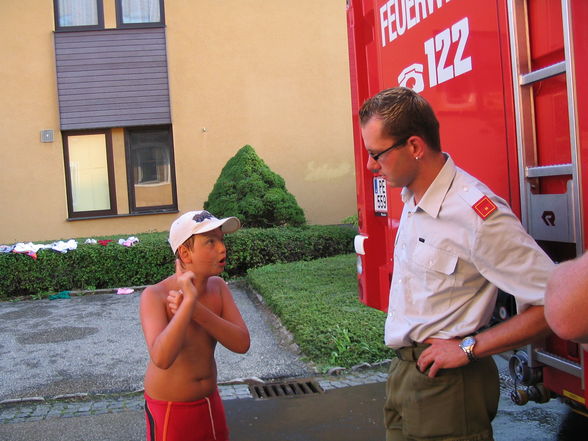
318,302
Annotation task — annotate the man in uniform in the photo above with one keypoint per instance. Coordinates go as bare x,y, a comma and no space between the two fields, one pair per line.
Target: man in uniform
456,243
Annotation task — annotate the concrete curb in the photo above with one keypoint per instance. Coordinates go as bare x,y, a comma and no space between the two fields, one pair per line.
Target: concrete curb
75,405
338,376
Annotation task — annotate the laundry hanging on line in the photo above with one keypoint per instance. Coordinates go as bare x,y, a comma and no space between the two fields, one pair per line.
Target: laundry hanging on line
31,249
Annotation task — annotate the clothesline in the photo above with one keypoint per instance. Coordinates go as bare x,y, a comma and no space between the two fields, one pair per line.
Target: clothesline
31,249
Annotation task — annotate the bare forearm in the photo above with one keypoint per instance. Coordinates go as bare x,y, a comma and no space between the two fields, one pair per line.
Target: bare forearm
232,336
168,344
566,300
513,333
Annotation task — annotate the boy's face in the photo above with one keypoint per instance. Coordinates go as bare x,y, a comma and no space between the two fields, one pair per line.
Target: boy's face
208,254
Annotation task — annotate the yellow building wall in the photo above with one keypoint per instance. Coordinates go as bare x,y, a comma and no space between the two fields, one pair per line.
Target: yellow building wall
270,74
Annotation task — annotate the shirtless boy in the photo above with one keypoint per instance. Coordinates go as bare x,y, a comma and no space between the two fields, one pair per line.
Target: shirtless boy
183,317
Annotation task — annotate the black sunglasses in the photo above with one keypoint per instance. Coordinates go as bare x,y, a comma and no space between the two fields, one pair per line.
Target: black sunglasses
402,142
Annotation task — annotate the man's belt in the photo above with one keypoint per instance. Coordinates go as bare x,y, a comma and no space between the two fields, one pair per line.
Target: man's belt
411,353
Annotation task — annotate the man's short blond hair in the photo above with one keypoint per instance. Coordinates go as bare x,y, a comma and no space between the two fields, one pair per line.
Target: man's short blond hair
404,113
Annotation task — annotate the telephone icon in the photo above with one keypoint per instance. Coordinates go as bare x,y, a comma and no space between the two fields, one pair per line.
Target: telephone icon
412,77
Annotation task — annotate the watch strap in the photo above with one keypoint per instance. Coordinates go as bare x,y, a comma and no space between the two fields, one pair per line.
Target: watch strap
468,348
469,353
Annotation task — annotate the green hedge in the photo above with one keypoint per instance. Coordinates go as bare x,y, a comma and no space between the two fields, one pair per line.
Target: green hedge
87,267
255,247
151,260
317,302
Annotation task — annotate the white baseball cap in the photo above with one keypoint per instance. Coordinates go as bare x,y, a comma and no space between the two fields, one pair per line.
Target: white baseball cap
197,222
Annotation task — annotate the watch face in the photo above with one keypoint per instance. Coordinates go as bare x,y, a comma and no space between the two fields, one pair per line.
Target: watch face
468,341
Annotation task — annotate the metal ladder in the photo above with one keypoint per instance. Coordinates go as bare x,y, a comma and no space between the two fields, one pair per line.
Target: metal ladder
566,224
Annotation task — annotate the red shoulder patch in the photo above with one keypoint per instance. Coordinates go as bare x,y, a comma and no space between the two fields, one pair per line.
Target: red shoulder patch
484,207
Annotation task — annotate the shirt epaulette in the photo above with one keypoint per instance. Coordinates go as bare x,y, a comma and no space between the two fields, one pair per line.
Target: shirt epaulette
480,203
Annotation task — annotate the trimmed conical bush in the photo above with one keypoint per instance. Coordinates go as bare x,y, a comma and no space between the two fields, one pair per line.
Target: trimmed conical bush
249,190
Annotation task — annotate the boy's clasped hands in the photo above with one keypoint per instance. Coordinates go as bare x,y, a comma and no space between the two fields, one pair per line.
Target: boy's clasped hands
186,280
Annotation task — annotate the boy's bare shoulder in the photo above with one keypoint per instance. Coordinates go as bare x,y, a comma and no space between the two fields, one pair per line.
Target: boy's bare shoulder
158,290
217,284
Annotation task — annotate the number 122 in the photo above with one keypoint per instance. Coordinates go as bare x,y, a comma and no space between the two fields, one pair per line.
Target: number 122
439,73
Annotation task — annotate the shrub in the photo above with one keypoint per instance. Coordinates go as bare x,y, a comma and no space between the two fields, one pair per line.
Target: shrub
351,220
249,190
151,260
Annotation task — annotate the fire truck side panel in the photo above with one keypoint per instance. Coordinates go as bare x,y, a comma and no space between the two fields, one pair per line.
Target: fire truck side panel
579,37
545,29
446,56
446,53
461,55
365,80
562,383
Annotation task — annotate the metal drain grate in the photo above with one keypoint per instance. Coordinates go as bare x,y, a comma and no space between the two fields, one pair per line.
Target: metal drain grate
285,389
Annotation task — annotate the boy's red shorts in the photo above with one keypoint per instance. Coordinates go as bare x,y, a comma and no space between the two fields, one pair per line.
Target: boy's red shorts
201,420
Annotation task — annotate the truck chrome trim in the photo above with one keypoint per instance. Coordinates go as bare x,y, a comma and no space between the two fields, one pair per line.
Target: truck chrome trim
549,170
573,120
542,74
560,363
523,100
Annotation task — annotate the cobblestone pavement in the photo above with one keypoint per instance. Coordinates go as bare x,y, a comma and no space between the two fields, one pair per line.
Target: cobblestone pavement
38,408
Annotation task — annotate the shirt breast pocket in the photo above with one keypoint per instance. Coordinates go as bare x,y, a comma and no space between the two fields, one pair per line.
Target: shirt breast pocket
437,270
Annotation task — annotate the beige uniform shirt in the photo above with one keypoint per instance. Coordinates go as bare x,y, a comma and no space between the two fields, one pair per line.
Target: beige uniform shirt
449,259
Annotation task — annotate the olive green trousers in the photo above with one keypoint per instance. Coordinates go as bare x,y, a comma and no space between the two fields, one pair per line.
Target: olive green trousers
456,405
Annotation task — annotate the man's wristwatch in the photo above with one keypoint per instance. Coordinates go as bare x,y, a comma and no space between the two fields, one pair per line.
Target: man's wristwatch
467,345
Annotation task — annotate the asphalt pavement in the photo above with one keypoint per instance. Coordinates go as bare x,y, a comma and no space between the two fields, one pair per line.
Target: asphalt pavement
94,344
72,369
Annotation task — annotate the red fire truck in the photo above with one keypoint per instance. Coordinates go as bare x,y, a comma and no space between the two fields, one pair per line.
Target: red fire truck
508,81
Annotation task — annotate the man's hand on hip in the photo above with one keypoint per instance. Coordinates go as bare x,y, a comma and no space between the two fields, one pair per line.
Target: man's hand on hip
442,354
